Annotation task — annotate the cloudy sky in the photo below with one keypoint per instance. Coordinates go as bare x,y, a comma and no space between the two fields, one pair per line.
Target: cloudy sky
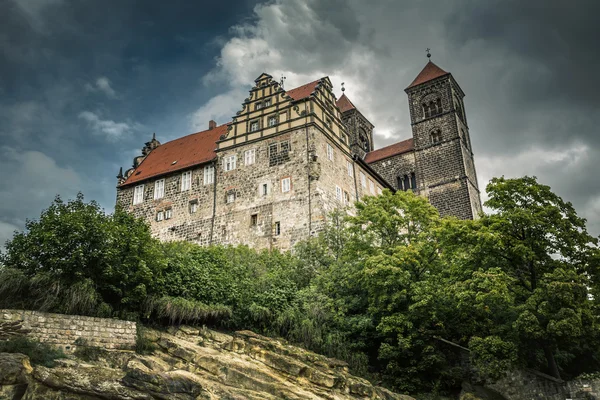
83,84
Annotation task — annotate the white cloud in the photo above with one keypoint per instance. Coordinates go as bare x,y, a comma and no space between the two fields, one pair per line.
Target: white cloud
113,130
30,182
102,84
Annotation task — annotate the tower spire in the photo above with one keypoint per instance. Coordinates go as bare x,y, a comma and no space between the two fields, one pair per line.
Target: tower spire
428,53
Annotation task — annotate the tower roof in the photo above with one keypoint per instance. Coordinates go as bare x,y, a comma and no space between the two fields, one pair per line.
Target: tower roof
431,71
344,104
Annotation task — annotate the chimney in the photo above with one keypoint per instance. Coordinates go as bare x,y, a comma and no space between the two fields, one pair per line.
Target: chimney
212,124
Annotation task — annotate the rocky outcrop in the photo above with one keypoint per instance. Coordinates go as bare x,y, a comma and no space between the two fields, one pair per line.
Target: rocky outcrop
190,363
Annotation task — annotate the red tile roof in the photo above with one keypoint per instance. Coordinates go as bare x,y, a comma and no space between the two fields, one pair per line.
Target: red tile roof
344,104
431,71
392,150
303,91
188,151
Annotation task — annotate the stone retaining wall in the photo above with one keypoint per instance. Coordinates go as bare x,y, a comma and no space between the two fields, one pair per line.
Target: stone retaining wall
64,330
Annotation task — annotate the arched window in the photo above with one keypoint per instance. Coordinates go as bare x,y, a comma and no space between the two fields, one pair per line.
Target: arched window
413,181
432,108
436,136
364,142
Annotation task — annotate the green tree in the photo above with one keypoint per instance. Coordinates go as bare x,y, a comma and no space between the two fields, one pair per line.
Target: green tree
551,266
77,259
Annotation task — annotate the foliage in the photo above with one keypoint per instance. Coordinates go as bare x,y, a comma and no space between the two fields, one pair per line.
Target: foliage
177,310
38,353
143,344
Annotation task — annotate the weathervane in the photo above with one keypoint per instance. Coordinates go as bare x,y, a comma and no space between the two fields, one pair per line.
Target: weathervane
343,88
428,53
281,81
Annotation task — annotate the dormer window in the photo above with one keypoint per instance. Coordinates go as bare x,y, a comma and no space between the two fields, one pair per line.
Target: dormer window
258,106
267,103
254,126
436,136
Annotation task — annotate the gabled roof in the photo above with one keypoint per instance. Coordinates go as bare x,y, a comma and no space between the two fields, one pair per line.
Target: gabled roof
187,151
303,91
429,72
344,104
392,150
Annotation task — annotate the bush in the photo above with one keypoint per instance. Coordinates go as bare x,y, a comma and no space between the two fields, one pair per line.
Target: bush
38,353
143,345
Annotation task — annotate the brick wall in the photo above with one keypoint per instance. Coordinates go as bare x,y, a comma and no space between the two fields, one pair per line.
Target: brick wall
63,330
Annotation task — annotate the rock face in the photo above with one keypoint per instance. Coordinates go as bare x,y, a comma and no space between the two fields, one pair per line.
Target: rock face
190,363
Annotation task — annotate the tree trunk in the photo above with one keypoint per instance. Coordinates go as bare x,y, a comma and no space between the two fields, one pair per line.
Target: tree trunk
552,367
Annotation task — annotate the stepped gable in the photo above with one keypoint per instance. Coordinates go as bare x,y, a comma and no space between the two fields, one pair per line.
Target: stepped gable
178,154
344,104
429,72
391,150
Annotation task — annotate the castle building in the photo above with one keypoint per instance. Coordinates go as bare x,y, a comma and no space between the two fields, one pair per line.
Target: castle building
270,176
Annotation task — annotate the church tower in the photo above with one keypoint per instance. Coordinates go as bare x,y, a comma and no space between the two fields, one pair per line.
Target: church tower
444,164
360,130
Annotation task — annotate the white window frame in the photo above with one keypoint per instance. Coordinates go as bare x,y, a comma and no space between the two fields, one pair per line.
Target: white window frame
338,193
169,213
379,191
159,189
230,197
371,187
229,163
254,126
272,121
138,194
329,152
350,169
159,216
363,179
193,207
286,185
250,157
186,181
209,174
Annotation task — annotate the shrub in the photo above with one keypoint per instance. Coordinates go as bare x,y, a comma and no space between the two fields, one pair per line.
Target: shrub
177,309
143,345
38,353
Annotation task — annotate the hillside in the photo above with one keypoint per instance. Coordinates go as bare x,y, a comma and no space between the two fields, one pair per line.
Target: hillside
189,363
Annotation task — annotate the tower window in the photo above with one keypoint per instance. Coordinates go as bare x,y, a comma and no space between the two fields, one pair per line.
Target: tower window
432,108
407,182
436,136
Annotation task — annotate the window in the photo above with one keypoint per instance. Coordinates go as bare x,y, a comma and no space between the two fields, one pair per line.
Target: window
277,228
209,174
138,194
350,169
379,191
267,103
193,207
254,220
250,156
328,122
363,180
229,163
168,213
159,216
413,181
159,189
186,180
407,182
436,136
338,193
265,189
230,197
253,126
329,152
272,121
432,108
346,197
371,187
284,147
286,184
272,149
258,106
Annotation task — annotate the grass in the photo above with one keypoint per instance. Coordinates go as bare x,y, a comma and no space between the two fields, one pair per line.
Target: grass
176,310
38,353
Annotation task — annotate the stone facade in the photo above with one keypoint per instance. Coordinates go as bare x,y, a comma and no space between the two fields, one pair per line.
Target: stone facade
269,178
63,330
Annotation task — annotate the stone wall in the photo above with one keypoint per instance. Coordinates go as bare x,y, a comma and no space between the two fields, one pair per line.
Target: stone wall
63,330
533,385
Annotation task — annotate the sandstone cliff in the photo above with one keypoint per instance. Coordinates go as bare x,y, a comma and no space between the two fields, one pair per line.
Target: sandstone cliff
190,363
